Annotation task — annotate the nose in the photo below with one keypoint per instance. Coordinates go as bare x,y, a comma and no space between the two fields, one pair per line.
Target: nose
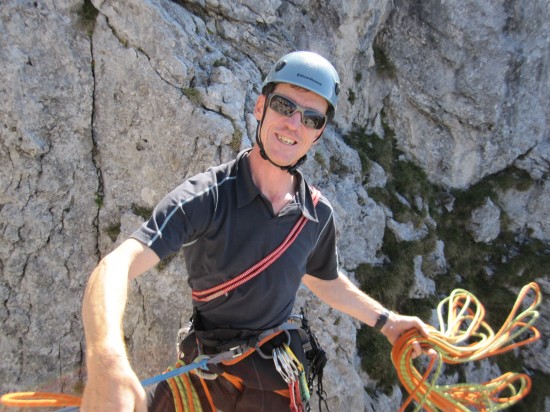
295,121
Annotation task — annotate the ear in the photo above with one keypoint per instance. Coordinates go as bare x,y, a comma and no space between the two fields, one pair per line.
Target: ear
259,107
319,134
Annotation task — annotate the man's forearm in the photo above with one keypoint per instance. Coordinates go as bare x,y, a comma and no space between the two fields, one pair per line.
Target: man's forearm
106,294
103,308
343,295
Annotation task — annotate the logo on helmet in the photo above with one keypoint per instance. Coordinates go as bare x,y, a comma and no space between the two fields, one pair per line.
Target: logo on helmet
308,78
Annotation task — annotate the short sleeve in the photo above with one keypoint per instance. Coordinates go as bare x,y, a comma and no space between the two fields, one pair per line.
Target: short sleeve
177,220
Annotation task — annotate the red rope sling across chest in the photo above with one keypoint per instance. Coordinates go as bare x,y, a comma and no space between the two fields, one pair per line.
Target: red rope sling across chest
226,287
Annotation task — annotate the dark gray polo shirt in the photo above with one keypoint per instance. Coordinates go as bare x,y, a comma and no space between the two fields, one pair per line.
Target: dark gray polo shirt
224,226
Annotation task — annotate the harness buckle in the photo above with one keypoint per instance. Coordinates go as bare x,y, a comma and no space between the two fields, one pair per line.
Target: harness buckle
236,351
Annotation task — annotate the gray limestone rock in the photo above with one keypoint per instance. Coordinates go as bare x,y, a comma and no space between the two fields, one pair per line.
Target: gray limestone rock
469,102
485,222
529,210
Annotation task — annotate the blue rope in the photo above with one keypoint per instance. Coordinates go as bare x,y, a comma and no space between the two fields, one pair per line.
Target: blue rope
176,372
158,378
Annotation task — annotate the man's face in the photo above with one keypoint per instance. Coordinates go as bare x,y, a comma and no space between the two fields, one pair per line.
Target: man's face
287,139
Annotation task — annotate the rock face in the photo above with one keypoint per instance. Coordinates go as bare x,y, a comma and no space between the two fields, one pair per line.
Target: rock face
468,102
485,222
107,106
48,187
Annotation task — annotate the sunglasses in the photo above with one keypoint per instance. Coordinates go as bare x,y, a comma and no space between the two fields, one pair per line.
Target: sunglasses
286,107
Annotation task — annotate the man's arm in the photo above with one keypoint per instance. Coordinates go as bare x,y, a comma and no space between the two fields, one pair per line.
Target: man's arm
112,384
344,296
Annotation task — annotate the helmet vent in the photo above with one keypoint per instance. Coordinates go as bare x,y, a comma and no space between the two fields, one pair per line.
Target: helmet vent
280,65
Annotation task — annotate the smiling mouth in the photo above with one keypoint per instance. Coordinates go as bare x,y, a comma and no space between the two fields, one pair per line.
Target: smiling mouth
286,140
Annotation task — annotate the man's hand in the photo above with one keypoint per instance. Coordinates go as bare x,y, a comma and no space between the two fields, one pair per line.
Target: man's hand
399,324
112,386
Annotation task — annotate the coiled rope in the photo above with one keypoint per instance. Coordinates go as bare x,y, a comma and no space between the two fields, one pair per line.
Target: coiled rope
464,336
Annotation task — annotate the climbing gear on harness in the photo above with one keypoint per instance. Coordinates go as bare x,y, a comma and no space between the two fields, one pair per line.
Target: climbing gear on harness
316,360
292,372
226,287
205,373
266,356
230,345
273,345
464,336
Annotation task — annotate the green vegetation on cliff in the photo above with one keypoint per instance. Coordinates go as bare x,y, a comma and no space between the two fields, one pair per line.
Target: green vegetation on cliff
490,271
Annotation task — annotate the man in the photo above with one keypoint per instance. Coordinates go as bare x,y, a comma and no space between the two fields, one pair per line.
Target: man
226,220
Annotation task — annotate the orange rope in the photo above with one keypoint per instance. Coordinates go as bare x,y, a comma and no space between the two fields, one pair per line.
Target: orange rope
464,336
37,399
207,394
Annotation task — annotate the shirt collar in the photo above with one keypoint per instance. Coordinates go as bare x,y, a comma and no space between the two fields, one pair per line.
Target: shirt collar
305,198
247,190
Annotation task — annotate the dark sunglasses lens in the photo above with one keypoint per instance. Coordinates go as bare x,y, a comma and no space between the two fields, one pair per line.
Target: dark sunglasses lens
282,105
286,107
313,119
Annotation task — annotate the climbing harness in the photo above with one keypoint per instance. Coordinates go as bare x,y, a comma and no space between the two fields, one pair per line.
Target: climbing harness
234,346
464,336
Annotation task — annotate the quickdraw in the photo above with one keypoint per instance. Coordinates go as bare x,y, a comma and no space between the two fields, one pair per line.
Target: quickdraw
464,336
316,360
292,372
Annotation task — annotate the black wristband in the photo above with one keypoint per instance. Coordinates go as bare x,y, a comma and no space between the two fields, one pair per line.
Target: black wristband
382,319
